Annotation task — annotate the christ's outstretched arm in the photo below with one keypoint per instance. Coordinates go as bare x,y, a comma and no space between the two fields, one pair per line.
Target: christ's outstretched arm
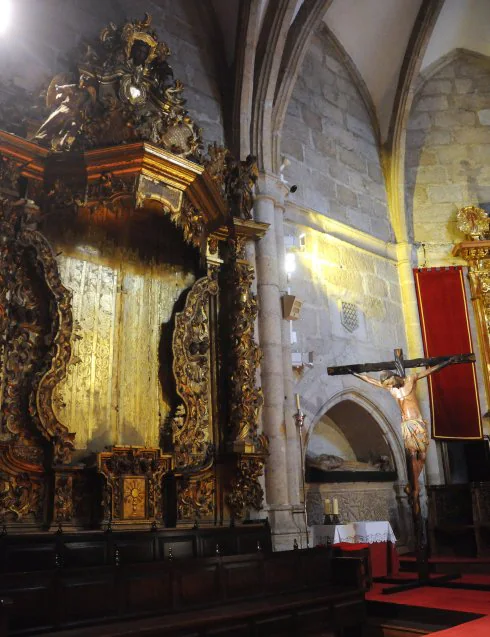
436,368
368,379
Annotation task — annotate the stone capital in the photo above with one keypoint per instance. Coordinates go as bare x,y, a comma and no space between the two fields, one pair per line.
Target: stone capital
406,253
271,187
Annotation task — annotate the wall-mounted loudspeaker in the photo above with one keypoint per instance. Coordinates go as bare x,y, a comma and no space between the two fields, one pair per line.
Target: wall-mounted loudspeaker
291,307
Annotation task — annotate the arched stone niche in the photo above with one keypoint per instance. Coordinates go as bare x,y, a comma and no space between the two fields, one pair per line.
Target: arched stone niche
363,464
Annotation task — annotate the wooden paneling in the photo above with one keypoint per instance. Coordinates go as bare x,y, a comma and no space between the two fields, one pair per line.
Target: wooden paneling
87,596
288,593
242,579
197,585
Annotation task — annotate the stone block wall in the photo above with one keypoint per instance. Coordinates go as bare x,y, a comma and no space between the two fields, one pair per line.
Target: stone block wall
328,139
364,501
447,153
44,33
328,272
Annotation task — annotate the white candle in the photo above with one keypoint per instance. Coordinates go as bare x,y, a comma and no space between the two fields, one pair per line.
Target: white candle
335,506
298,406
327,507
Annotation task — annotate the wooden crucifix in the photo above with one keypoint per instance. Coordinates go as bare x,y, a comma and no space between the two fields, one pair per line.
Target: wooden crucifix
415,433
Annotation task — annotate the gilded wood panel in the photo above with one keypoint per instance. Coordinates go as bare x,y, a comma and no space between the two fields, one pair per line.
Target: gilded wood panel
112,394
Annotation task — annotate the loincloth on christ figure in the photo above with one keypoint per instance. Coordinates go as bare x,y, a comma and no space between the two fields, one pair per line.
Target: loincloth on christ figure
415,435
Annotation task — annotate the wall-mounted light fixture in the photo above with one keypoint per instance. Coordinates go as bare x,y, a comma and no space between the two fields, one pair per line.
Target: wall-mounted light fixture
290,263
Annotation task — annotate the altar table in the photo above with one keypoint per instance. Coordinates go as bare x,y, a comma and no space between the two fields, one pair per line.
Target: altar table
378,535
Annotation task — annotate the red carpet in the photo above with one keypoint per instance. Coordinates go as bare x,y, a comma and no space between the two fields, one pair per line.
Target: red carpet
446,599
450,559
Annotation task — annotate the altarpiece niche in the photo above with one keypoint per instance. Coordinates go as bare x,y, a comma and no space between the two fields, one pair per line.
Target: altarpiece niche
128,358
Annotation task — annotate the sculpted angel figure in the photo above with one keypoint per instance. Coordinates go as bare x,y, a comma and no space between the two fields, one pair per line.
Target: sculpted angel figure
240,181
414,428
74,102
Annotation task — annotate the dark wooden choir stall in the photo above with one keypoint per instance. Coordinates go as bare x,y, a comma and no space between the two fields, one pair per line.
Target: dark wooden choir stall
130,453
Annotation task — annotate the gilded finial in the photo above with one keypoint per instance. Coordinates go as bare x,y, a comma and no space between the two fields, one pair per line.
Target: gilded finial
473,221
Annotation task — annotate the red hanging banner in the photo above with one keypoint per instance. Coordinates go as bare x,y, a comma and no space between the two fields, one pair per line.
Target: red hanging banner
453,391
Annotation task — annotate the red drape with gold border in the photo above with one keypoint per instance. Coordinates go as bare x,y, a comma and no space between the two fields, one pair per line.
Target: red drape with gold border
453,391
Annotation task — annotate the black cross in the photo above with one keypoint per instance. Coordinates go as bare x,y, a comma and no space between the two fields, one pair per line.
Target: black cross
399,364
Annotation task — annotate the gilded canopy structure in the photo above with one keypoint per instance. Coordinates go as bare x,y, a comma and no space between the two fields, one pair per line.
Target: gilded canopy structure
128,351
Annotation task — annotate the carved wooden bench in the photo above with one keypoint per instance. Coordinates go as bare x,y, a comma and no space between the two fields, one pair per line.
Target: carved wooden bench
277,593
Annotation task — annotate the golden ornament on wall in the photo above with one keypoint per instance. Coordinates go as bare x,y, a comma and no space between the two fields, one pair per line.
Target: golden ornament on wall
473,221
134,497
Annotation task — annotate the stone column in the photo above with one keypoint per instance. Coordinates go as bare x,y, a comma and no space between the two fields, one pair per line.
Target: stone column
406,259
272,367
292,441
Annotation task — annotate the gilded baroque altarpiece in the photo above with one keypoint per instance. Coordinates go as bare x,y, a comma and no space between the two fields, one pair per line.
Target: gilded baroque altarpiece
127,353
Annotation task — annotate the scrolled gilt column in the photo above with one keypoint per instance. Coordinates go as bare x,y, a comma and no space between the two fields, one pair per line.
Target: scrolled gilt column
475,223
245,398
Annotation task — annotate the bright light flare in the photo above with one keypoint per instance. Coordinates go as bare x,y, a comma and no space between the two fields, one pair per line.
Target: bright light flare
5,15
290,262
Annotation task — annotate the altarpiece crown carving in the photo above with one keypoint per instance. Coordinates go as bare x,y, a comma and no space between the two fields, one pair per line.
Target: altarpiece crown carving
128,356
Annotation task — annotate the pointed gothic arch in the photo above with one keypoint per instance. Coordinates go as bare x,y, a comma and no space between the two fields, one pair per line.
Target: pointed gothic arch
391,435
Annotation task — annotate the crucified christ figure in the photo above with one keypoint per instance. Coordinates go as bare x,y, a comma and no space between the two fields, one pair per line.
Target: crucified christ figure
414,428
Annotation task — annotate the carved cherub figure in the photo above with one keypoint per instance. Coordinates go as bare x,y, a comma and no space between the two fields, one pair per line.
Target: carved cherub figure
239,183
74,102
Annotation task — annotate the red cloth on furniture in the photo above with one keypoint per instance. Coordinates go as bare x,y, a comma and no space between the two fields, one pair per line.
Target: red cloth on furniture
350,546
382,555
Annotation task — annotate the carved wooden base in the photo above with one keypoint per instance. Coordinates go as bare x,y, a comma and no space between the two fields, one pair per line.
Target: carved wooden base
132,493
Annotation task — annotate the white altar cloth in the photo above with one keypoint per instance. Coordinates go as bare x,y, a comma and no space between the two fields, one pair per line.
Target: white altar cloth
355,532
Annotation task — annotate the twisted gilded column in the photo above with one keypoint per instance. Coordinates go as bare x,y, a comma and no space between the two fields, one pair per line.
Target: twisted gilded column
475,223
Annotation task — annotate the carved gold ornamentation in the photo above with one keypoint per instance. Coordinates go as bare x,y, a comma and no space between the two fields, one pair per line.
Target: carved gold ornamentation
240,182
9,174
244,356
246,492
216,165
196,498
235,179
133,483
63,498
474,222
37,346
114,193
134,497
213,244
19,497
64,197
192,427
477,255
122,91
22,485
191,222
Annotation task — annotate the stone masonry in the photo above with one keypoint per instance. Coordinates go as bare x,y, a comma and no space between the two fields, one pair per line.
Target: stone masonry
329,140
447,153
328,272
37,48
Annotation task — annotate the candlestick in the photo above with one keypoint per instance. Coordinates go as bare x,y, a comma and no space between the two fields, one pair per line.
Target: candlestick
335,506
298,406
299,419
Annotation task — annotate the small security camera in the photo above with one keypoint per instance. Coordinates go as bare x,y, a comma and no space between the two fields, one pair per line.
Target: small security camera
293,188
